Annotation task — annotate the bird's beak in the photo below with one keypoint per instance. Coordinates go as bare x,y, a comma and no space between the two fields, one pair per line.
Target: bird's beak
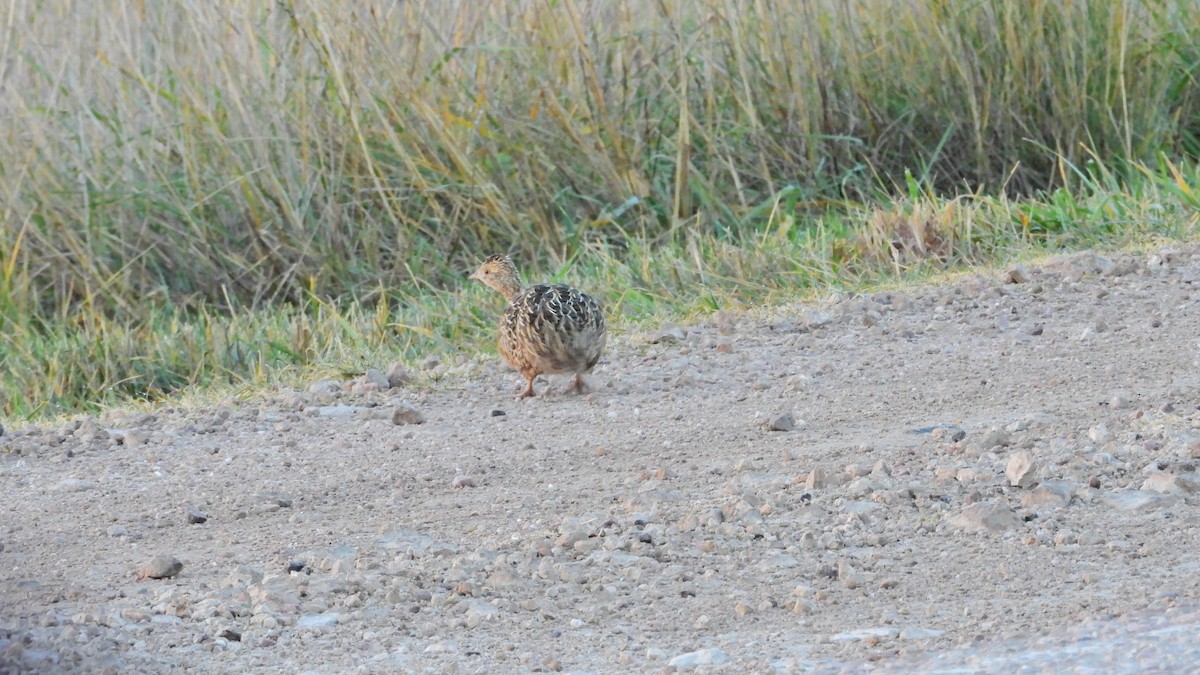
474,275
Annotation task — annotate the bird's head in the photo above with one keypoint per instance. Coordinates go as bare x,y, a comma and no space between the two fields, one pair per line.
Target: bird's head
499,272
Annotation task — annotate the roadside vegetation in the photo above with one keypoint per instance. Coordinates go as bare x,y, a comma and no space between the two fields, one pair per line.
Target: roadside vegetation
197,194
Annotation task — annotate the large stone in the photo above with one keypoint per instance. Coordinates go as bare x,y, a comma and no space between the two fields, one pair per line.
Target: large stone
1171,484
1021,470
1139,500
160,567
1048,495
985,517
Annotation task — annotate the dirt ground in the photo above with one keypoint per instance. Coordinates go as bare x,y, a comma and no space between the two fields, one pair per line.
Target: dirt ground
906,479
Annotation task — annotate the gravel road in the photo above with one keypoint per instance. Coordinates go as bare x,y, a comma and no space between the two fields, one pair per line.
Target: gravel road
998,473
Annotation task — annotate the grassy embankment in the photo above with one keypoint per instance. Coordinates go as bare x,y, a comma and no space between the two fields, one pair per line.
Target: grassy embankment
201,193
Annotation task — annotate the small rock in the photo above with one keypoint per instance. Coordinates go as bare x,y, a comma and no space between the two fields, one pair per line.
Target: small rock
1017,275
569,538
373,376
398,375
783,422
1048,495
1169,483
339,410
243,576
273,500
1138,500
995,437
195,516
849,577
480,611
866,635
667,335
1099,434
1021,470
711,656
1118,401
985,517
325,387
817,319
74,485
461,481
160,567
406,413
1065,538
135,614
816,479
340,560
230,633
914,633
317,621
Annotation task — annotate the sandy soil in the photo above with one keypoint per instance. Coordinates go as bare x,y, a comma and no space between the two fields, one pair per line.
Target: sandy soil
906,479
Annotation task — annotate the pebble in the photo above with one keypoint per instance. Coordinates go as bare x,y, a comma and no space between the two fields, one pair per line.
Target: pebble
1099,434
196,516
339,560
667,335
783,422
373,376
340,410
866,634
461,481
995,437
317,621
74,485
1049,495
849,577
914,633
327,387
398,375
406,413
711,656
160,567
1017,275
480,611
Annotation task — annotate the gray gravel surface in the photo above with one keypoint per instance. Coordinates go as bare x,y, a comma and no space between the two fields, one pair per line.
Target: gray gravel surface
994,474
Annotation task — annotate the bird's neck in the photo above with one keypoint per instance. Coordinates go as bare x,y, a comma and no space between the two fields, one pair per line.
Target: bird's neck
509,288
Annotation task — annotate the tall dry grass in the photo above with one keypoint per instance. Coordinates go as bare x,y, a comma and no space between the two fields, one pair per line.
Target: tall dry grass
166,163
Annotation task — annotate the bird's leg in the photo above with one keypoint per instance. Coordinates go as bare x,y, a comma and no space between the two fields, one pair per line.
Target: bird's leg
579,387
528,393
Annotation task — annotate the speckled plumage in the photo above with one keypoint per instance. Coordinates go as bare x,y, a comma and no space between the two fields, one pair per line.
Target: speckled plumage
546,329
